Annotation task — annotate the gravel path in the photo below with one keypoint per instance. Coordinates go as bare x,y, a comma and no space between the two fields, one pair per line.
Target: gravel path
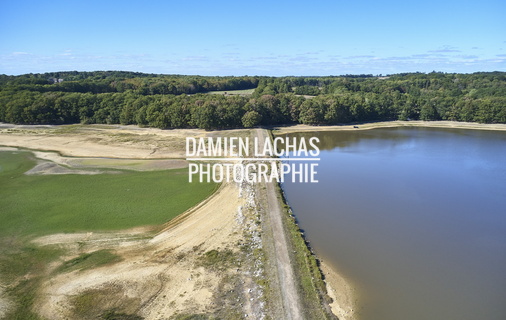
291,300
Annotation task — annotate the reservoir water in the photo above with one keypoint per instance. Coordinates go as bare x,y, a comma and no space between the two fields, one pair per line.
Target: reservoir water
415,218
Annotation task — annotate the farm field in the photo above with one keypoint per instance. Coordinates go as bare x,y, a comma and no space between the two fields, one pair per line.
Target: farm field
245,92
38,205
44,204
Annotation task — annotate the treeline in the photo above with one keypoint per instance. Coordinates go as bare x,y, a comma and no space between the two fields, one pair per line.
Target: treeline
120,81
166,101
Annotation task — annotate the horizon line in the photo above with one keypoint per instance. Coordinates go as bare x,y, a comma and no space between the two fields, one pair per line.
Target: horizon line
372,75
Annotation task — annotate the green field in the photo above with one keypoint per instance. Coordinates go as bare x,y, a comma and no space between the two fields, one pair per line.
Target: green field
245,92
34,205
45,204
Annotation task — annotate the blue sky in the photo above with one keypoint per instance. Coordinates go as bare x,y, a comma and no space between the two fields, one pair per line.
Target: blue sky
253,38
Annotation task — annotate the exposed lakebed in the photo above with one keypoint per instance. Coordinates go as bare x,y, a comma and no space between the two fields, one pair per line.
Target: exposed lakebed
415,218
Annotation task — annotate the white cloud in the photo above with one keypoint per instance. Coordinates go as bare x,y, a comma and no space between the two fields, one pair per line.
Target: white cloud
236,63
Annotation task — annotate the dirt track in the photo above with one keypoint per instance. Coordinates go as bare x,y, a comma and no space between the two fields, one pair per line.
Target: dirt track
291,299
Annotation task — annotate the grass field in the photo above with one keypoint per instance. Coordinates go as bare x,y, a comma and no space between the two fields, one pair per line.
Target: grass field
245,92
34,205
44,204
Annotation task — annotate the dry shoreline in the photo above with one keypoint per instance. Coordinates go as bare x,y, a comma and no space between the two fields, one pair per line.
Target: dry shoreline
391,124
111,141
341,291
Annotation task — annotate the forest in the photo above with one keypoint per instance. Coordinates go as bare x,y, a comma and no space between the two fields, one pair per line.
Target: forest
179,101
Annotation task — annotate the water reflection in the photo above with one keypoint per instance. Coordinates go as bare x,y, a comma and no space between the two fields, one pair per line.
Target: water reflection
331,140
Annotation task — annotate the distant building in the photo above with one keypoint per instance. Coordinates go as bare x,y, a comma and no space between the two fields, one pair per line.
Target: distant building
55,80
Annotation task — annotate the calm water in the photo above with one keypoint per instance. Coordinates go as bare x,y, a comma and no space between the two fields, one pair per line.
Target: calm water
414,217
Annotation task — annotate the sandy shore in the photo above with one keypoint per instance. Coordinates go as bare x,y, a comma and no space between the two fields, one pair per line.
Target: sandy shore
390,124
125,142
341,291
